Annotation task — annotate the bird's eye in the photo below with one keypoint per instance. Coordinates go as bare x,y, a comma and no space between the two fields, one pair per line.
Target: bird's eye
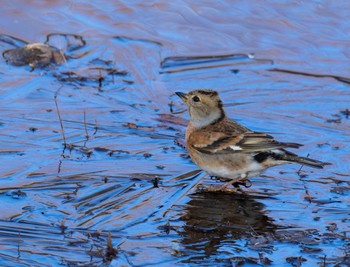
196,99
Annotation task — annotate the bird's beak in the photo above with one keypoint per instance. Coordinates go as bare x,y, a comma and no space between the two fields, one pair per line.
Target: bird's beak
183,96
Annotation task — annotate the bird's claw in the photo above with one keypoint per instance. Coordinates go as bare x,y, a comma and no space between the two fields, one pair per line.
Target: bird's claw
246,183
235,182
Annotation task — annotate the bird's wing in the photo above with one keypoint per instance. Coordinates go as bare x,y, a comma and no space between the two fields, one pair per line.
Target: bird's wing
224,143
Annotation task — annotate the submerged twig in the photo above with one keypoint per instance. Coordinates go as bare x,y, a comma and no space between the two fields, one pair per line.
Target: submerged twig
59,166
173,200
18,245
63,56
171,105
338,78
85,127
308,196
100,80
323,263
61,124
96,128
62,226
155,182
299,171
111,252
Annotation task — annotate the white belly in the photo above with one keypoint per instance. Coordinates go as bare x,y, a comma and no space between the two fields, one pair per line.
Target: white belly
251,170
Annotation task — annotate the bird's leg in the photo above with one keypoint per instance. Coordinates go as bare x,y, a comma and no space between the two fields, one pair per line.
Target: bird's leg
235,182
216,188
242,180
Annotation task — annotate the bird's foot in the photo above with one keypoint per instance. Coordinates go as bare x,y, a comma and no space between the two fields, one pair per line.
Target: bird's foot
236,183
245,182
241,181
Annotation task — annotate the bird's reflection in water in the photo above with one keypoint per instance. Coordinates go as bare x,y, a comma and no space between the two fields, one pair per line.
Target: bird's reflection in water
222,225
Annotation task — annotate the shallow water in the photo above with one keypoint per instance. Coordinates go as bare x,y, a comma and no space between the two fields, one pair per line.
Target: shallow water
280,67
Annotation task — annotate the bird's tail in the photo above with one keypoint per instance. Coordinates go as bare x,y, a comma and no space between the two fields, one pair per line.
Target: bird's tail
288,156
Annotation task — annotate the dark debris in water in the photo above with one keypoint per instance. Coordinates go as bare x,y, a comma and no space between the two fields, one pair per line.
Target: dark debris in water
242,261
126,39
41,55
71,42
296,261
134,126
180,64
17,194
337,118
155,182
36,55
111,252
33,129
338,78
345,112
100,77
12,41
341,190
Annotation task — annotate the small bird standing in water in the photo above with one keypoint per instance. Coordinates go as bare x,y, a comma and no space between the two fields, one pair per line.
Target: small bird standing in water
225,149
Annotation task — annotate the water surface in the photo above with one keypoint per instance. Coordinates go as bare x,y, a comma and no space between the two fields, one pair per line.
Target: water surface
280,66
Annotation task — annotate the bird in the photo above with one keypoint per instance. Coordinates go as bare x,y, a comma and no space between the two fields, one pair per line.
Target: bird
228,150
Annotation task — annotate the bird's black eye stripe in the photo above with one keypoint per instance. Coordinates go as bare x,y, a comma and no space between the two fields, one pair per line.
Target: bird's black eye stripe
196,99
208,92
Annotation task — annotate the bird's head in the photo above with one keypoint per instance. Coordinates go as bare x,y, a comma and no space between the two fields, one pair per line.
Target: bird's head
205,107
